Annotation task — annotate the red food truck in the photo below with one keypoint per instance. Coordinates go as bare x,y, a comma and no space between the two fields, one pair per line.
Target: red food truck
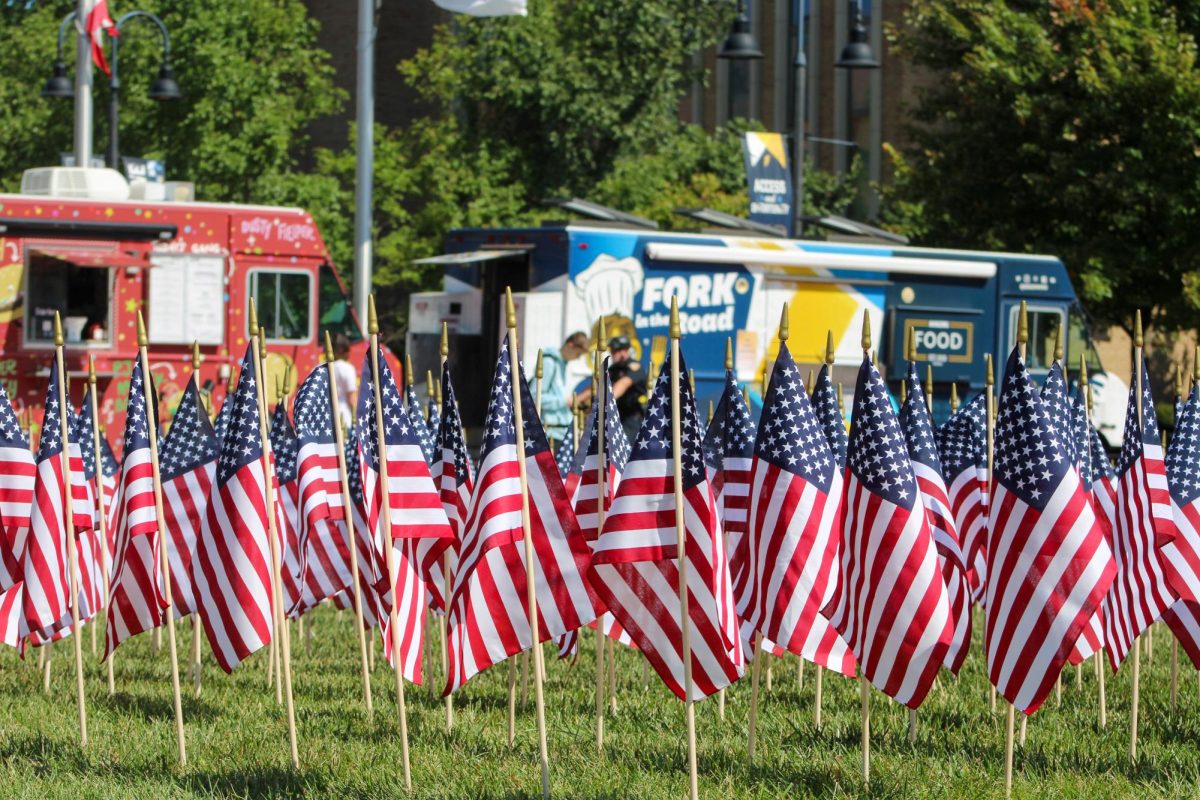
189,267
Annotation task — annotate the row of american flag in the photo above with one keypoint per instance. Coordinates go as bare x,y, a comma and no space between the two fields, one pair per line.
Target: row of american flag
871,550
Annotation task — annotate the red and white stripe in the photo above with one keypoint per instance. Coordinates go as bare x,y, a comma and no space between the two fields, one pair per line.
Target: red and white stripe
968,498
185,504
327,563
1139,594
232,568
44,565
950,559
134,602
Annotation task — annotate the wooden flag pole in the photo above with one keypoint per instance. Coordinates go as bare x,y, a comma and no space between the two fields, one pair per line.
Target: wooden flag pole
681,549
819,677
197,623
1010,711
1136,672
284,650
538,373
69,527
446,582
728,367
104,554
1096,660
163,539
864,685
435,398
990,425
386,516
530,584
599,399
347,505
274,666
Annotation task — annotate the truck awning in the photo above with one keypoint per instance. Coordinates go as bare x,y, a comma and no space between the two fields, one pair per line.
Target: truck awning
473,256
83,257
711,254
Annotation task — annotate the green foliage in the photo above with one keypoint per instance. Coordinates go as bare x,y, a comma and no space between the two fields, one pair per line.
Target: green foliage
252,78
1067,127
237,735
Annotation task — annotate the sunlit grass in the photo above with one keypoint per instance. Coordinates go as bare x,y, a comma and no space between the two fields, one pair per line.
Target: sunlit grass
237,740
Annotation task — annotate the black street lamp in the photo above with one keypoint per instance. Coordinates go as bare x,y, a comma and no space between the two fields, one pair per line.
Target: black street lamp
857,52
740,44
162,87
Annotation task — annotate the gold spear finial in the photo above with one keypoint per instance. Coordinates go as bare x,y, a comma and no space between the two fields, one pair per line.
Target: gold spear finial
231,384
196,357
989,378
783,324
910,349
710,412
1088,392
903,391
372,317
445,349
953,397
253,317
1023,324
328,348
429,384
58,334
409,378
510,310
812,380
1138,340
287,380
91,371
142,339
674,330
866,331
538,371
728,352
829,347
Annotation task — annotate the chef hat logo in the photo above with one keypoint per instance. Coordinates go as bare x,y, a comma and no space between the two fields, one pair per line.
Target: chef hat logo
609,285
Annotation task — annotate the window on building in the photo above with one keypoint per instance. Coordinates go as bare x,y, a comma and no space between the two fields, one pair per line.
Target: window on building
284,300
80,294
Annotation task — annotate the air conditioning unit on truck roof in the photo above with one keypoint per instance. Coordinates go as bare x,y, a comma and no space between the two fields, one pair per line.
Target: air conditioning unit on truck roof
90,183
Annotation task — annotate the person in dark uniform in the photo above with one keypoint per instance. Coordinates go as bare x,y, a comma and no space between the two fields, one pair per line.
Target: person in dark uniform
628,384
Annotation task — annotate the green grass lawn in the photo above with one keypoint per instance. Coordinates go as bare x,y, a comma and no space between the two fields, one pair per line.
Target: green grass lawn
237,737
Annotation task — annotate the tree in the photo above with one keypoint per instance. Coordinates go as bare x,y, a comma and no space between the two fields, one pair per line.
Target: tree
1067,127
251,75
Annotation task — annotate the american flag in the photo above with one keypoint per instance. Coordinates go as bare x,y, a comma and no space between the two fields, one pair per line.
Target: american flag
489,611
285,449
1091,640
420,426
793,527
222,420
109,470
585,495
1139,594
1058,406
433,418
414,503
829,412
232,564
452,472
574,471
636,568
890,604
372,568
1048,564
1181,557
564,456
962,449
17,470
134,602
327,552
927,469
187,460
44,567
87,542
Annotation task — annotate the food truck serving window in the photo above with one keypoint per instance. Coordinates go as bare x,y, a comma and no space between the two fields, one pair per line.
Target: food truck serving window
284,299
81,293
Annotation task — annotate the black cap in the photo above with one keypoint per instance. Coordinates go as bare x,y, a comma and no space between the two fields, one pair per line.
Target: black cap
618,343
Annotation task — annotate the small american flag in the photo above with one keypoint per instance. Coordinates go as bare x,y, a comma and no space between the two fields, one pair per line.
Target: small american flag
489,611
1048,564
46,597
564,456
897,621
134,603
285,449
962,449
420,426
1091,640
1139,594
187,459
829,412
1058,406
927,469
17,470
585,496
232,565
794,525
636,570
1181,557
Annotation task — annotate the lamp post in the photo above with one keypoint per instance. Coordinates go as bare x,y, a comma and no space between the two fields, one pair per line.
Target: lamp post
739,46
162,88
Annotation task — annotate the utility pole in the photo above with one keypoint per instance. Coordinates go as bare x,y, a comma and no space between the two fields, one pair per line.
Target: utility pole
365,156
83,86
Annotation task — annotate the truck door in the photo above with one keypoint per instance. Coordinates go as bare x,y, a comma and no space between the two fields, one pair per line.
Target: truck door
1046,320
